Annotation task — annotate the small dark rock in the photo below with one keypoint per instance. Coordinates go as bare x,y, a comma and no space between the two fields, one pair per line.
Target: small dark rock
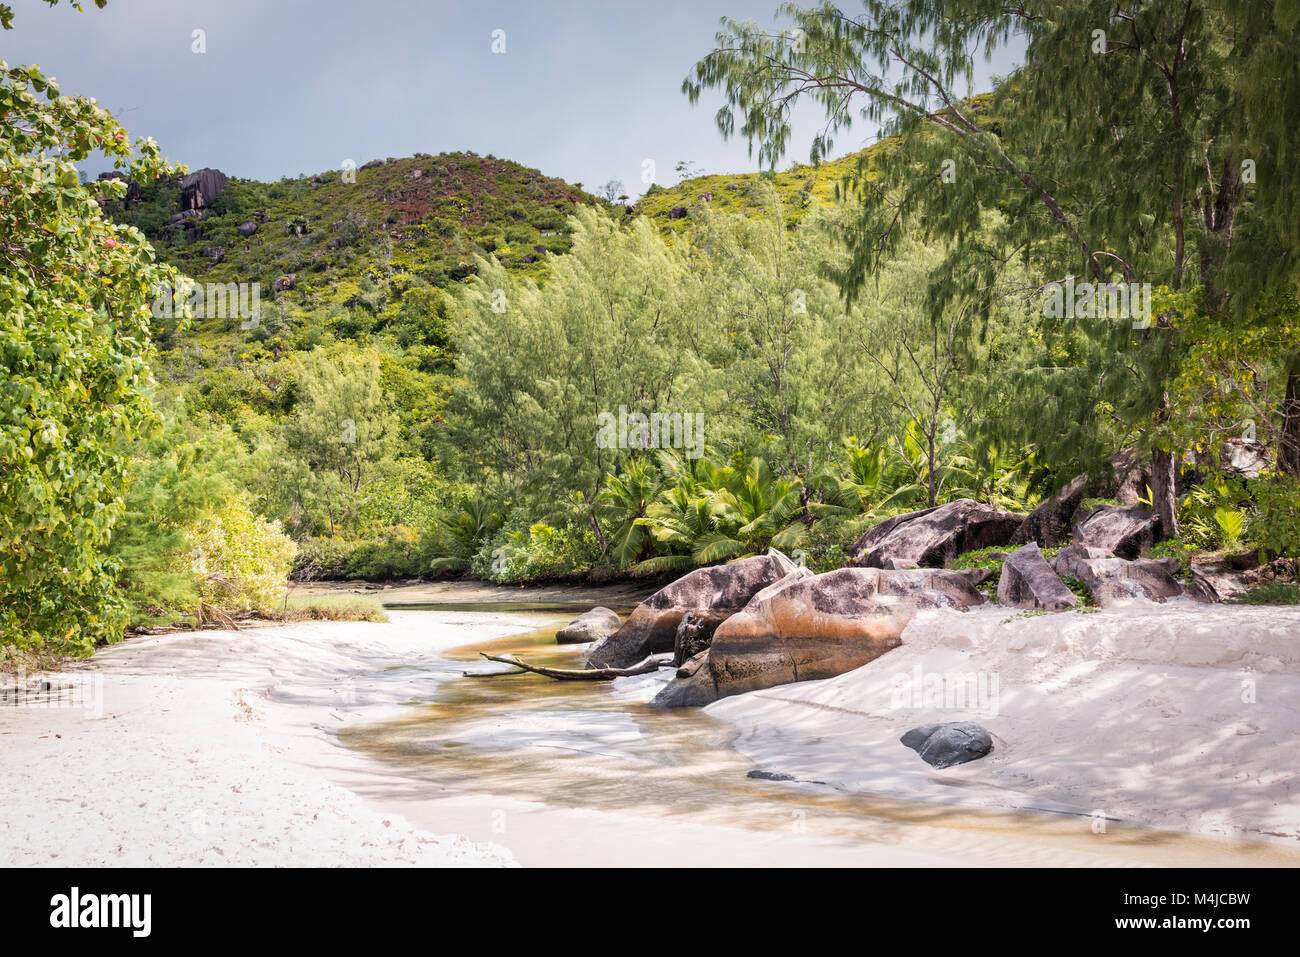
950,743
770,775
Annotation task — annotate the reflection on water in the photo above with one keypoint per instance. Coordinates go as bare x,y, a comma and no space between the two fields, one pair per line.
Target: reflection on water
576,744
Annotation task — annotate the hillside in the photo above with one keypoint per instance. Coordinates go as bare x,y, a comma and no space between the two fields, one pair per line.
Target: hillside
799,187
416,219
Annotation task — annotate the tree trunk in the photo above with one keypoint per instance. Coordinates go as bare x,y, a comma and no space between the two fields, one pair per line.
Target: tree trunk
930,477
1288,452
595,525
1164,491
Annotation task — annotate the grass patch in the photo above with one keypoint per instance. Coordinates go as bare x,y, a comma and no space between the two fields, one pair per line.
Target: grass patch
330,608
1271,593
1088,504
985,558
1081,591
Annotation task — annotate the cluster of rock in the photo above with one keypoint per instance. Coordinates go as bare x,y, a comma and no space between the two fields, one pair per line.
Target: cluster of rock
805,626
765,621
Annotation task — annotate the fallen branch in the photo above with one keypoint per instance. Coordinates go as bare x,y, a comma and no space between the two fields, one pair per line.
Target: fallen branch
652,663
218,614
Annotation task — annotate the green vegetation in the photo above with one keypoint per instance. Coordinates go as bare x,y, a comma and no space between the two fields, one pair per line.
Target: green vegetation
330,608
1272,593
74,353
461,366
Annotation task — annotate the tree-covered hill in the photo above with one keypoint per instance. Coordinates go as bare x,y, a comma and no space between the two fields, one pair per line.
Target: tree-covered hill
423,217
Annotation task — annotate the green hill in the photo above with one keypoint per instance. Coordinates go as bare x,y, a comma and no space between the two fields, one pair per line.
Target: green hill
421,218
799,187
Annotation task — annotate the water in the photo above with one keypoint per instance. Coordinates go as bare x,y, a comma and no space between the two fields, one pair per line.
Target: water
607,780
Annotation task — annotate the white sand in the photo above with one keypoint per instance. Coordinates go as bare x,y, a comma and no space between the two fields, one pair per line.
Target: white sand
1180,716
218,748
210,749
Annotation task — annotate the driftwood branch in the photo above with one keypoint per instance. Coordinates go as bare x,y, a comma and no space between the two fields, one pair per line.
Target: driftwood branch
652,663
223,618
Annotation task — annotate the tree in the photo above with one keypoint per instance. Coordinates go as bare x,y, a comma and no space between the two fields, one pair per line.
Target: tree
1119,150
75,343
342,427
611,191
794,379
611,333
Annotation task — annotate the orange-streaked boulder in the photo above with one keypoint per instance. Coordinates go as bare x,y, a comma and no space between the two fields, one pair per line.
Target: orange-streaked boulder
817,626
714,594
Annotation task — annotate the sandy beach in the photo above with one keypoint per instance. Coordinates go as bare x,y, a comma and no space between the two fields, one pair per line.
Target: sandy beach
216,748
223,748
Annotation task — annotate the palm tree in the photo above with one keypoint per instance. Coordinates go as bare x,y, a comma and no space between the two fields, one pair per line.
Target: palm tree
679,520
722,512
870,478
465,530
623,501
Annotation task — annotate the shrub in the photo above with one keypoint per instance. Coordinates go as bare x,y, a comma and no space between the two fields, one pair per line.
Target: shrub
242,560
520,551
1177,549
1275,526
321,558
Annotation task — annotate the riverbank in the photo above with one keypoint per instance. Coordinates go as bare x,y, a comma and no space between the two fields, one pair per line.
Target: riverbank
621,594
217,748
1179,716
348,743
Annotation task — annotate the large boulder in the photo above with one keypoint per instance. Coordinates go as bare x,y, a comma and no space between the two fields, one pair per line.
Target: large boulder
935,536
1130,476
201,188
1049,524
810,626
1234,575
1112,580
1243,457
950,743
1121,530
1029,582
714,593
592,625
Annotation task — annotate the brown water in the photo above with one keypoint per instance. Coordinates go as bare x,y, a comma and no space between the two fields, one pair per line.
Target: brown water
574,744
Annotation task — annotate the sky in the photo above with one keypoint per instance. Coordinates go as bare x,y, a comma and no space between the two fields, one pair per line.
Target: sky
586,91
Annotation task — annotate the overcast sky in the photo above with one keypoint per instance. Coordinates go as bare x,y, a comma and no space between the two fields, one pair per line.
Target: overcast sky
586,90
